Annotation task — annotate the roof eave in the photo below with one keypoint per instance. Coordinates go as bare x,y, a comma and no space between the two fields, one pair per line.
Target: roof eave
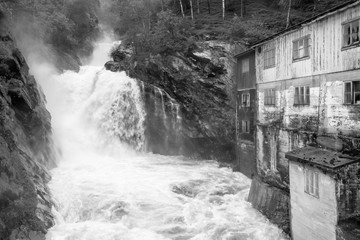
307,22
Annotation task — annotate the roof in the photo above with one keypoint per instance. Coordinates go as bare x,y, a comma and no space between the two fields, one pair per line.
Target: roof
244,53
321,158
309,20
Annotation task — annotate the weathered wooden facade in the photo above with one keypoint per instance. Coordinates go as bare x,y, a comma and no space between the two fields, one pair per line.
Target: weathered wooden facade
246,112
308,90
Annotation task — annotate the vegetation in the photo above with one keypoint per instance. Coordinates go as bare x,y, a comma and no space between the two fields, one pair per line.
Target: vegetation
68,26
166,26
156,26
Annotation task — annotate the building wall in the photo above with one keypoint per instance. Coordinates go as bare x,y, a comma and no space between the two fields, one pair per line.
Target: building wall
246,160
285,126
336,117
326,52
311,217
245,147
246,80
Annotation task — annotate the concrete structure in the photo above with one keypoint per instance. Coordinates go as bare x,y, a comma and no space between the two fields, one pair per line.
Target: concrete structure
324,191
246,112
308,90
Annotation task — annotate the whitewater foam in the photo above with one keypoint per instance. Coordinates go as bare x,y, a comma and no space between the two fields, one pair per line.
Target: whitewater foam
106,188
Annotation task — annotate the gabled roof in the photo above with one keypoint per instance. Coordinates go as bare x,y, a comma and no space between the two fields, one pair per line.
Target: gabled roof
321,158
309,20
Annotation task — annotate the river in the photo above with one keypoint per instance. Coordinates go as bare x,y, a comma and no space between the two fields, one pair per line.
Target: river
105,189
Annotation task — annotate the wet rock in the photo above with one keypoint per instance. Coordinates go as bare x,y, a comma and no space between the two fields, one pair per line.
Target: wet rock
189,189
25,149
201,84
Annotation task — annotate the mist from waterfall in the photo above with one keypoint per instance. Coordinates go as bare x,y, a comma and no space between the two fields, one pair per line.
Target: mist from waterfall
106,187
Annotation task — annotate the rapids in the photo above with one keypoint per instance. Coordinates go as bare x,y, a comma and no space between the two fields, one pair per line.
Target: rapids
106,188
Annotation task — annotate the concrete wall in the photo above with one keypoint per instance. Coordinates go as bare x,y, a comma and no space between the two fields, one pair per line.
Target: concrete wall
311,217
272,202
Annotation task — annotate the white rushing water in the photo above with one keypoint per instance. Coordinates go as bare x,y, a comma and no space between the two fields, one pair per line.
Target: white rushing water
106,190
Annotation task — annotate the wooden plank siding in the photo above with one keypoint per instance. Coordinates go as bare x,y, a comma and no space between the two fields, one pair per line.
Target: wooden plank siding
246,80
326,53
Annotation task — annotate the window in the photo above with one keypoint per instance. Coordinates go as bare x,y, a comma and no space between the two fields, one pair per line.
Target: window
352,92
351,33
245,100
269,58
269,96
245,126
312,182
245,65
302,95
301,48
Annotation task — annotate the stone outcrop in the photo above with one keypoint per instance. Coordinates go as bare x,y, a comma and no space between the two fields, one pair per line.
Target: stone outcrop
25,152
200,83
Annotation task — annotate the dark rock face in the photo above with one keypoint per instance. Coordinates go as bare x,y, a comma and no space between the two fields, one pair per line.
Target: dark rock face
200,84
25,153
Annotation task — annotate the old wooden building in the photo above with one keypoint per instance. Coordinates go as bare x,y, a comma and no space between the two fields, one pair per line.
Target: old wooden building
246,112
324,188
308,91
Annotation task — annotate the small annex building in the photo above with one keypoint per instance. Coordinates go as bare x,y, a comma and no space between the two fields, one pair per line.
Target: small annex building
324,193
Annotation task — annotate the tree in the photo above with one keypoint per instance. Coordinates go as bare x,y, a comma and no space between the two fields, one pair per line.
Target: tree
223,9
192,10
242,8
182,8
288,15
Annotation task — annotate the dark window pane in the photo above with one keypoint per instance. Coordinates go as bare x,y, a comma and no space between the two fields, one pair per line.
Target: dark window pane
356,86
296,98
307,95
347,34
355,31
348,93
357,98
302,95
295,50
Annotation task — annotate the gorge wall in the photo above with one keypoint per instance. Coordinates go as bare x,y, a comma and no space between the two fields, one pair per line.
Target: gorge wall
25,148
197,87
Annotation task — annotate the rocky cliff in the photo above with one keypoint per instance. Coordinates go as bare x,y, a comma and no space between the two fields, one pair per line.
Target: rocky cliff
197,88
25,153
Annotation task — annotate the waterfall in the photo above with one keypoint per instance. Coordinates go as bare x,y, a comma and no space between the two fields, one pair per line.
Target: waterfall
106,188
163,122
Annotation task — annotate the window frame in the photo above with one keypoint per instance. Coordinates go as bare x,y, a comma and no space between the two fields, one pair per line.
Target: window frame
305,48
269,62
312,182
270,97
245,97
353,92
345,35
302,95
